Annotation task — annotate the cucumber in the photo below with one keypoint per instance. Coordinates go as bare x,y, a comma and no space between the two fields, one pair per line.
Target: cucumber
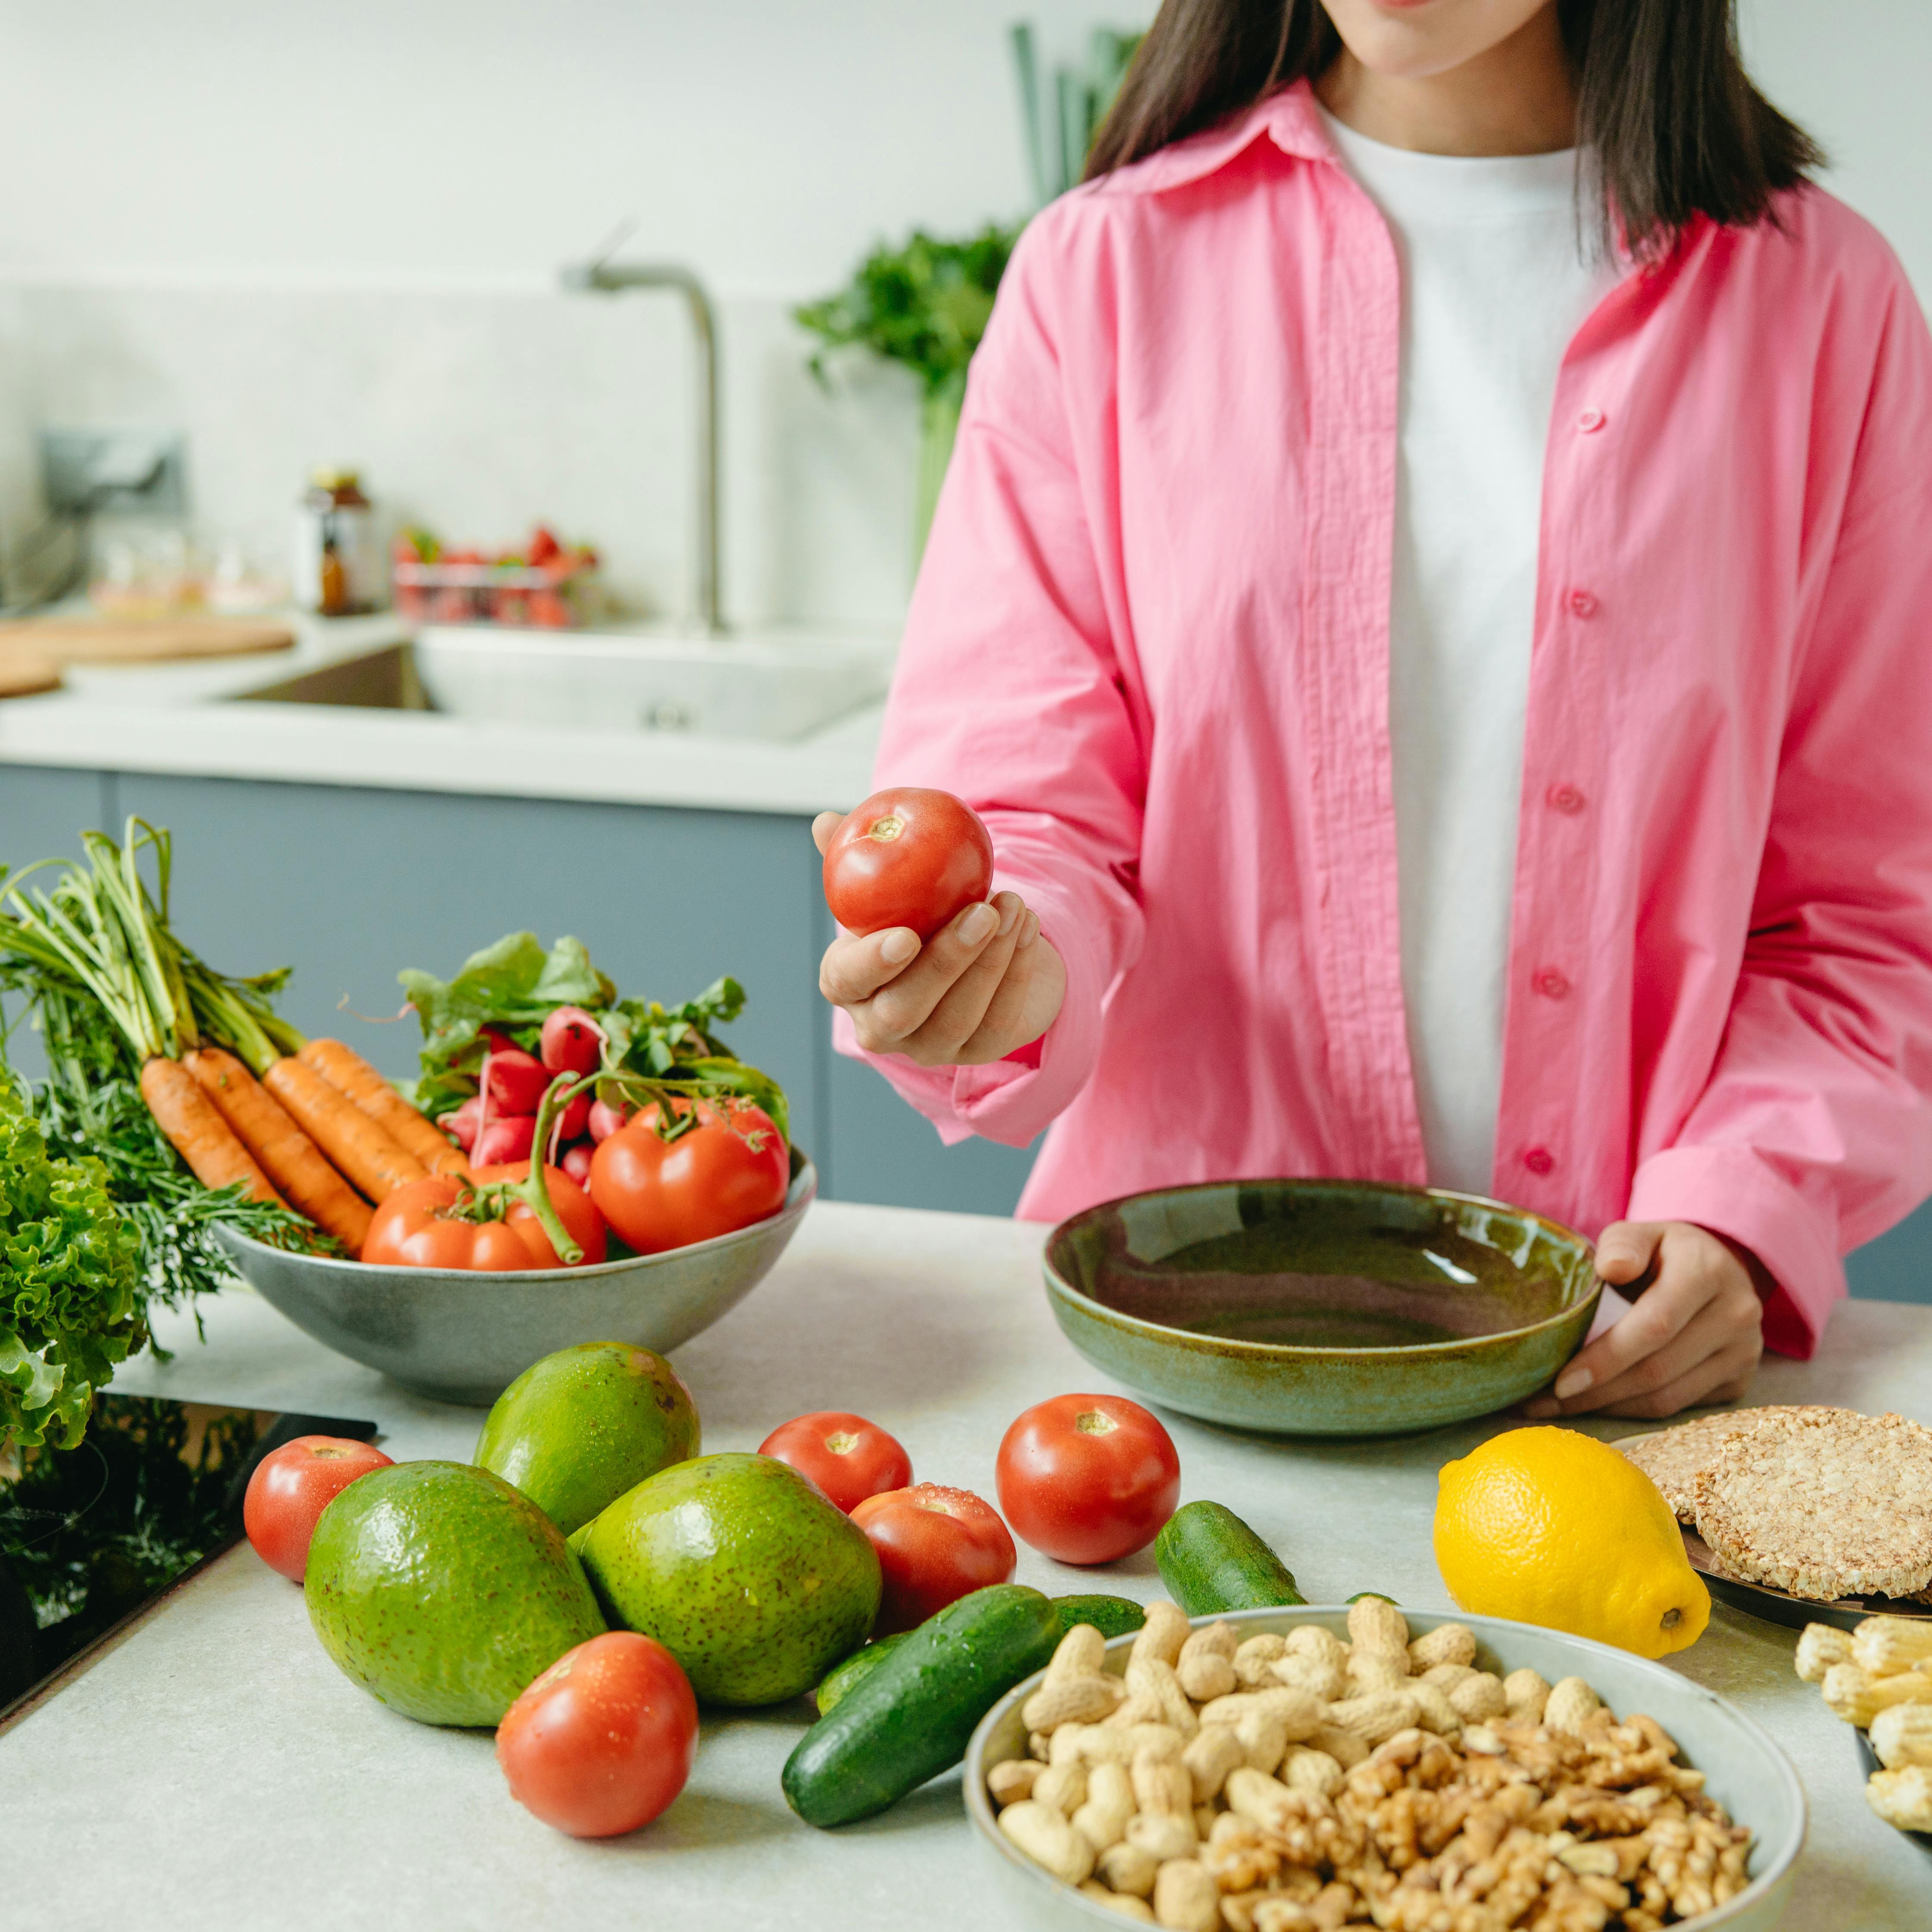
909,1719
1380,1596
841,1678
1112,1616
1211,1560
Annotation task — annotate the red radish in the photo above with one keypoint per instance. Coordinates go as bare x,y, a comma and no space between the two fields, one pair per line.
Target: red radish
572,1042
499,1042
577,1117
516,1082
507,1138
461,1125
605,1120
576,1163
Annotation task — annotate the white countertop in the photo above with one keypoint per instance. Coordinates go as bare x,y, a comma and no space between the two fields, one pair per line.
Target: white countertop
215,1770
175,719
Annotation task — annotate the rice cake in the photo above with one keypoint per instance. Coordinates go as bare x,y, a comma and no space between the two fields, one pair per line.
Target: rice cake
1671,1458
1823,1504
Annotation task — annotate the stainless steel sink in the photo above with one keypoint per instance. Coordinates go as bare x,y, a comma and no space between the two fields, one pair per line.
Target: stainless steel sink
776,686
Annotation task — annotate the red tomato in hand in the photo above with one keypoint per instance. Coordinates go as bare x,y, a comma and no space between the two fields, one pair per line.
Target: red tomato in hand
291,1487
728,1170
849,1458
416,1228
605,1739
935,1545
907,857
1088,1478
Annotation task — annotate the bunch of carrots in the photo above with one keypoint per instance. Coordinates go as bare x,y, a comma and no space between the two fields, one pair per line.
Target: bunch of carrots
240,1094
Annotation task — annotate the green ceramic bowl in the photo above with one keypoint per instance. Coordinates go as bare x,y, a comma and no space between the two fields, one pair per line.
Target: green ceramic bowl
1322,1307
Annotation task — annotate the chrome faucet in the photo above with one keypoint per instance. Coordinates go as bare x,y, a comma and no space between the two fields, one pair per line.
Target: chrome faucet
608,277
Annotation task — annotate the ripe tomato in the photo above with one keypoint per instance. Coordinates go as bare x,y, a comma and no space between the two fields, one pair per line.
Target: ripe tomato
726,1172
422,1225
291,1487
935,1545
907,857
605,1739
849,1458
1088,1478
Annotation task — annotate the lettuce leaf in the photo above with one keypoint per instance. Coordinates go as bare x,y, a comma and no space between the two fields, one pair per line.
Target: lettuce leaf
68,1313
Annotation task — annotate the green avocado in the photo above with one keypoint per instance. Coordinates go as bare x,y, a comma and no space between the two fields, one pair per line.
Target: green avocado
443,1591
741,1569
577,1429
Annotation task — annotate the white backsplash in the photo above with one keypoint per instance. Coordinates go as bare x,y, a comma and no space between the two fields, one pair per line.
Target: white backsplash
478,411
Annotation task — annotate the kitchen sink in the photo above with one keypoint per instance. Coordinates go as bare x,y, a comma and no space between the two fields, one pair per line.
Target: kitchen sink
776,686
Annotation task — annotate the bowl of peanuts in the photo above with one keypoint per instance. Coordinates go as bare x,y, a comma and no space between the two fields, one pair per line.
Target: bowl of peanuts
1307,1769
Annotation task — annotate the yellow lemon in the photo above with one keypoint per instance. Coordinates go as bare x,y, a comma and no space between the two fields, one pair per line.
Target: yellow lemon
1547,1526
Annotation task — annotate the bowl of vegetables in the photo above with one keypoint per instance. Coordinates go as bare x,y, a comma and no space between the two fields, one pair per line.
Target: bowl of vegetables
1322,1307
460,1336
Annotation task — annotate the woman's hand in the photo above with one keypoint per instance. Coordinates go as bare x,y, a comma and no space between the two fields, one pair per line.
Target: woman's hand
1694,1336
978,989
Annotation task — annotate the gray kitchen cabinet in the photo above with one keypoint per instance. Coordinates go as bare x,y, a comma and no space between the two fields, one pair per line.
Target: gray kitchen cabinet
346,885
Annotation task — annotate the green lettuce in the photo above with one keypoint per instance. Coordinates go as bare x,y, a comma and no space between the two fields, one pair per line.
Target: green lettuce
68,1313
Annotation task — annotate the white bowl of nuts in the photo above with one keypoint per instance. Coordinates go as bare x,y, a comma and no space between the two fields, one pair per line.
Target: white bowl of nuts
1308,1769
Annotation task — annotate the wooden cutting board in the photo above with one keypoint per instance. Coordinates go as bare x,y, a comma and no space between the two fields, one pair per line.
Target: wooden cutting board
157,641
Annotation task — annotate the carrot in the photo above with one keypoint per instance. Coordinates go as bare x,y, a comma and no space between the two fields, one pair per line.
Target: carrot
291,1160
354,1143
345,1070
198,1132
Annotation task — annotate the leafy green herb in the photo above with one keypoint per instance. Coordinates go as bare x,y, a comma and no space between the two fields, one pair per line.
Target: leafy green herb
68,1309
925,305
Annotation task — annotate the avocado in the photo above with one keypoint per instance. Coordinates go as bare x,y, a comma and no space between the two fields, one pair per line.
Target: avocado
443,1591
741,1569
577,1429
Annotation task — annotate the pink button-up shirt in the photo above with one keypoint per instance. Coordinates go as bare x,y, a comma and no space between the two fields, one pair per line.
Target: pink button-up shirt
1150,644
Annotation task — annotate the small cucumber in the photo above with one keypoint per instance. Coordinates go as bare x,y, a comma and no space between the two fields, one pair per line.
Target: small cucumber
841,1677
1112,1616
1211,1560
1380,1596
909,1719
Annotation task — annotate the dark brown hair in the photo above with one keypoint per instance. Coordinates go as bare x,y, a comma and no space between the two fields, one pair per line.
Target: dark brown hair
1670,121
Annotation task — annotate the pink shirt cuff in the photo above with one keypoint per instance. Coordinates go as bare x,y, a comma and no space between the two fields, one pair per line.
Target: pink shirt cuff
1736,1192
1015,1099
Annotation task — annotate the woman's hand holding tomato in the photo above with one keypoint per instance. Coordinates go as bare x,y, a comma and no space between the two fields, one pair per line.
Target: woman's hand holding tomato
605,1739
1088,1478
429,1224
983,984
849,1458
935,1545
729,1170
291,1487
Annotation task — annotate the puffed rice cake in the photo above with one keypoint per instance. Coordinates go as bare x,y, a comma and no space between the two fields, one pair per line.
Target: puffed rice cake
1823,1504
1671,1457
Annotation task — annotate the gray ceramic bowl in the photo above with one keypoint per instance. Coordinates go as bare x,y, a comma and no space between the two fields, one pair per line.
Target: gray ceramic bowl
463,1337
1322,1307
1745,1771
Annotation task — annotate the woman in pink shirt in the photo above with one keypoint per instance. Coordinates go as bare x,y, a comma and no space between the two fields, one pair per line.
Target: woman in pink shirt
1451,705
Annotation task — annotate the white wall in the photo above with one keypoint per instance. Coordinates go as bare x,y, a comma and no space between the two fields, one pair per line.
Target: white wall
330,233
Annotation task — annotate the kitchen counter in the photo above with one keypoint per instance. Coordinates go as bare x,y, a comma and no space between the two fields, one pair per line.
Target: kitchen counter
214,1769
180,720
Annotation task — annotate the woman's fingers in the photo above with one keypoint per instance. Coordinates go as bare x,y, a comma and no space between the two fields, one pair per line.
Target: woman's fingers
940,1039
822,827
854,968
892,985
1722,1377
1724,1333
1625,1249
1001,1026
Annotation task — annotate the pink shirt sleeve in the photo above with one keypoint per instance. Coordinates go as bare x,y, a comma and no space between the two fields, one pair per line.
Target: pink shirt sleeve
1008,693
1812,1135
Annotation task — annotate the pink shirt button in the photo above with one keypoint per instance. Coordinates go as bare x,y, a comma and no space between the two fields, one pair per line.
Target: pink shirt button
1539,1160
1583,604
1550,983
1566,798
1591,420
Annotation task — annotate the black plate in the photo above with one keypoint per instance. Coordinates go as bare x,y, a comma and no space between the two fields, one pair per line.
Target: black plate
1869,1758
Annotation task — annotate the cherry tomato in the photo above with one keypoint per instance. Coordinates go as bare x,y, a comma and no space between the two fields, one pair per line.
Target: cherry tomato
572,1042
726,1172
414,1228
907,857
605,1739
1088,1478
291,1487
849,1458
935,1545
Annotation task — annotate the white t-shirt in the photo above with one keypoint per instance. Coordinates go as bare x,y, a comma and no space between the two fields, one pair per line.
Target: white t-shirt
1495,281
